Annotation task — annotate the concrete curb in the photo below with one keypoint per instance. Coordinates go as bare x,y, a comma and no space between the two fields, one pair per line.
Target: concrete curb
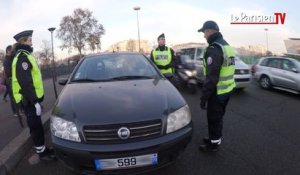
16,149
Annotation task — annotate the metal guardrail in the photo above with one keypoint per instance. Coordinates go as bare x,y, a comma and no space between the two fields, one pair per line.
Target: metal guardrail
59,70
250,60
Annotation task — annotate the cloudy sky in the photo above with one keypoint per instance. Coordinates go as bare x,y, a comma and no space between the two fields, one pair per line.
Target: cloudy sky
179,20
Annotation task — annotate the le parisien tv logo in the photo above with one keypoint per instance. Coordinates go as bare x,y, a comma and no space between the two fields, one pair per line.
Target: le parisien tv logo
243,18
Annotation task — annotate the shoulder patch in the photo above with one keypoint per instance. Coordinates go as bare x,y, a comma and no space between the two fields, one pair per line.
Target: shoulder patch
209,60
25,65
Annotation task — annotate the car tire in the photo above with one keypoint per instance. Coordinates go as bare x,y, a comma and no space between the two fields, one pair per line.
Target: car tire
265,82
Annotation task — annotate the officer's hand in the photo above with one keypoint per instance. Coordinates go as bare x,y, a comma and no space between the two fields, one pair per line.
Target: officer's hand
203,104
38,109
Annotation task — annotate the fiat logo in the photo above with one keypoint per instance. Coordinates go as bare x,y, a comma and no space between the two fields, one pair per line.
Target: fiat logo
123,133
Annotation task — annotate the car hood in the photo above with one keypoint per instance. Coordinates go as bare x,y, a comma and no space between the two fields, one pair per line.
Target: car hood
118,101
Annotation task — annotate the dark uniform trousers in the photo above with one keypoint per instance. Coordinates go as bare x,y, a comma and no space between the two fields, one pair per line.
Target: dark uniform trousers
13,104
35,125
216,108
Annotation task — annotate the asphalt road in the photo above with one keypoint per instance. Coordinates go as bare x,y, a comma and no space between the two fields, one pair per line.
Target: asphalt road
10,126
261,136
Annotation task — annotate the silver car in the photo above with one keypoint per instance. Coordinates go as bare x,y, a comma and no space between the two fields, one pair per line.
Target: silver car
278,72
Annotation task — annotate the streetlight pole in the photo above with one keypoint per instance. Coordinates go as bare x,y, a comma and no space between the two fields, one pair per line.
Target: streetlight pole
53,63
137,8
266,29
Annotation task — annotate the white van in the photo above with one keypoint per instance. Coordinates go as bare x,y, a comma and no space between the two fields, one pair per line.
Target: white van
196,53
242,70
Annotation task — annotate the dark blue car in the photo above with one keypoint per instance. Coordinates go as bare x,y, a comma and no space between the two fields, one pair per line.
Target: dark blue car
118,114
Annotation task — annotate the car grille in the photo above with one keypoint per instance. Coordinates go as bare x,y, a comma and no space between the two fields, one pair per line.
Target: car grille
108,134
241,71
242,80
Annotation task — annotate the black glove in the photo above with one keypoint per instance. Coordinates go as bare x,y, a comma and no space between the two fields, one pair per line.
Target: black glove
203,104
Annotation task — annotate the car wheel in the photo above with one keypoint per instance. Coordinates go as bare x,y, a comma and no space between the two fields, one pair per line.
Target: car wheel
265,82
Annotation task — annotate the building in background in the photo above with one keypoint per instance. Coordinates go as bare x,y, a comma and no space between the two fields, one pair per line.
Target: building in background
131,46
292,46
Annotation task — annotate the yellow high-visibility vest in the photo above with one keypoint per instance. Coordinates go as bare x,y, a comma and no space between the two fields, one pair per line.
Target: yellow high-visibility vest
226,81
163,58
36,77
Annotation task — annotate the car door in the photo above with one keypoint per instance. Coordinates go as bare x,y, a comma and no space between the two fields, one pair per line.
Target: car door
289,74
275,72
199,63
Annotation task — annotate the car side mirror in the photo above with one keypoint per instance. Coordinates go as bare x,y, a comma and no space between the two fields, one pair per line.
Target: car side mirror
168,75
295,70
62,81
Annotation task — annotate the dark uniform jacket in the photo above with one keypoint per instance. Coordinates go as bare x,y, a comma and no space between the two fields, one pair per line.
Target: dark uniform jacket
23,74
173,59
7,68
214,59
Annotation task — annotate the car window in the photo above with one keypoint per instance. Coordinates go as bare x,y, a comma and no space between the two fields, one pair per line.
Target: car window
199,52
275,63
288,65
264,62
186,59
189,51
106,67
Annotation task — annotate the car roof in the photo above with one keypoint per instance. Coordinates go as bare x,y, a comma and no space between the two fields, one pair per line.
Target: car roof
279,57
112,53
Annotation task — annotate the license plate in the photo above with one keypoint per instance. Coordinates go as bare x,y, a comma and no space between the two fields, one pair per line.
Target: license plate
126,162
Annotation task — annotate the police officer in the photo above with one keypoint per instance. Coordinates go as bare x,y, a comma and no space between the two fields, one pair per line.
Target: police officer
163,56
218,67
27,87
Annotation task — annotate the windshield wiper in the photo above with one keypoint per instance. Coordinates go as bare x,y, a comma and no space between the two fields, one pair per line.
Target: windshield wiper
84,80
131,77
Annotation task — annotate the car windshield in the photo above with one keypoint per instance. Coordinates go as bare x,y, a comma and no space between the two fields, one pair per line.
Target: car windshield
186,59
114,67
298,63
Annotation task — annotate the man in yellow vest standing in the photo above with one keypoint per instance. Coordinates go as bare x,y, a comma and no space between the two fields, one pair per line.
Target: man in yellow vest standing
163,56
27,87
218,68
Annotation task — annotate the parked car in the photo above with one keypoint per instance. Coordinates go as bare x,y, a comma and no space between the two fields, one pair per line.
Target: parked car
196,53
278,72
242,74
118,114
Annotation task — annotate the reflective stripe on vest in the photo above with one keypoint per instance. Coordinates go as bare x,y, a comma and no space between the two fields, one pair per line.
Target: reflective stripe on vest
226,81
163,58
35,74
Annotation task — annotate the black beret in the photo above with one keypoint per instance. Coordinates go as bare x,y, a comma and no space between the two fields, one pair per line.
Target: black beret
209,25
25,33
161,36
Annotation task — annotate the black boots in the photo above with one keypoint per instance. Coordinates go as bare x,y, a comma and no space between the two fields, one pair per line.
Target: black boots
208,146
47,154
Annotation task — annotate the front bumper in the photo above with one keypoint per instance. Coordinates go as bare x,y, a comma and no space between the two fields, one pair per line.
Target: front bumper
80,156
242,81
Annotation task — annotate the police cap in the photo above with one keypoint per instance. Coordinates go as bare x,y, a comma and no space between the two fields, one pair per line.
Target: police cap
209,25
25,33
161,36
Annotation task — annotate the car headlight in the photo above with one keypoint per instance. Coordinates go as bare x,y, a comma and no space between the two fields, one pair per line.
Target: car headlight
178,119
191,73
64,129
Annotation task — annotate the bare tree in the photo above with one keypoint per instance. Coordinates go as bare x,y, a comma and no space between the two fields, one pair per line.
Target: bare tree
45,54
79,30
